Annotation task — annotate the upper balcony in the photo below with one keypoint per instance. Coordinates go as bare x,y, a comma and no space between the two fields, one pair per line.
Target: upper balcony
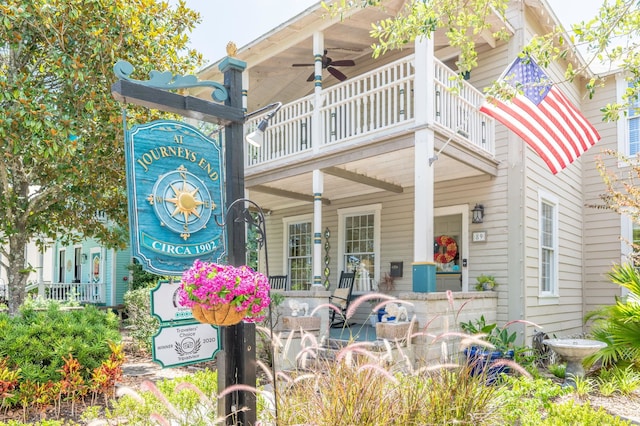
376,105
359,132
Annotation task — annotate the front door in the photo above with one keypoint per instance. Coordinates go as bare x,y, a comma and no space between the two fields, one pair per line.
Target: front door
451,248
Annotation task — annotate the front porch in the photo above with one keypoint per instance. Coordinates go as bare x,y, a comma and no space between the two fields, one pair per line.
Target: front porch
363,142
436,317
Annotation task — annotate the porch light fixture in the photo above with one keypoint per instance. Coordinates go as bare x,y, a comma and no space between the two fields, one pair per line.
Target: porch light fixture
83,258
256,137
477,214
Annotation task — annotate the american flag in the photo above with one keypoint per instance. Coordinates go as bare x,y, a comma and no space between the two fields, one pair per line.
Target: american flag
542,116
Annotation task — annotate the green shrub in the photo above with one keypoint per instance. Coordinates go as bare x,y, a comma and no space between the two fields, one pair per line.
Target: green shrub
624,381
570,413
618,325
558,370
36,341
141,325
499,337
186,405
528,402
523,400
141,278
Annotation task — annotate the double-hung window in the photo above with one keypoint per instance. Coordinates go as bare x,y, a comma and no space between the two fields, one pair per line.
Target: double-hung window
633,119
629,124
299,251
548,246
359,228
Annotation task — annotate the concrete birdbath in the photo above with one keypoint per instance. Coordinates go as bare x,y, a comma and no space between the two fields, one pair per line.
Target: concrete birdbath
574,351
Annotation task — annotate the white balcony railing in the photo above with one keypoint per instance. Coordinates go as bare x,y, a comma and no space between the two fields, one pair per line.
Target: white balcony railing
457,109
94,293
371,102
378,100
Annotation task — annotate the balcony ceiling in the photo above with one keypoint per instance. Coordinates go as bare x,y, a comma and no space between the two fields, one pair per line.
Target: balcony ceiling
344,178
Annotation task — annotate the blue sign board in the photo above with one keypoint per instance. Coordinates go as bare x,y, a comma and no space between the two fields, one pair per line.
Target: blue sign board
175,185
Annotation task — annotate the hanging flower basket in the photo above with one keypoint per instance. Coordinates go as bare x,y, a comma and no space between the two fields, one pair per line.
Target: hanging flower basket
224,294
218,315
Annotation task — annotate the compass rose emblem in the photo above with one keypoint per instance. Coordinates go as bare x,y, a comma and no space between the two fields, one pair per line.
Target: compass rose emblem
182,202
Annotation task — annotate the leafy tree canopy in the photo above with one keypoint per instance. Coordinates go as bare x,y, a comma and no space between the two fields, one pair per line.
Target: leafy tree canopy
608,42
62,132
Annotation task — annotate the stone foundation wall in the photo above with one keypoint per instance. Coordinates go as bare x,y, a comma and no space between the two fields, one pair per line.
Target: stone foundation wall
436,317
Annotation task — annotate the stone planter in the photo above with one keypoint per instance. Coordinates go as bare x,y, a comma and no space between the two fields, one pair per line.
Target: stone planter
394,330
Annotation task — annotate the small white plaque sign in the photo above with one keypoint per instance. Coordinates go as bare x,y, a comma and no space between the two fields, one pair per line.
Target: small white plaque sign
479,236
164,303
185,344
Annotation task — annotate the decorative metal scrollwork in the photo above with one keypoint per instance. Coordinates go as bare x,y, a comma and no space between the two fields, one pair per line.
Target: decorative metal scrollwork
255,221
167,80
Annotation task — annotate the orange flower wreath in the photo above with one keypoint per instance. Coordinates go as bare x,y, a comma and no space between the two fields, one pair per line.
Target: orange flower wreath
447,249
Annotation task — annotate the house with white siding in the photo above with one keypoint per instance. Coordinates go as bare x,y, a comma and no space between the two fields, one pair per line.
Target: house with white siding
376,165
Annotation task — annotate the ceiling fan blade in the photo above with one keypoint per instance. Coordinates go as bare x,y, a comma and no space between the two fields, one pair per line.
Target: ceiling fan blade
343,63
302,65
311,77
337,74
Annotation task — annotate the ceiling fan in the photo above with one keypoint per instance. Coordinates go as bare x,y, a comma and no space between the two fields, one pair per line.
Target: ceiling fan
329,64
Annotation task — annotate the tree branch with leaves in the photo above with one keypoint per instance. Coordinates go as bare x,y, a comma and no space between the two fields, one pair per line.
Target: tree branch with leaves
62,136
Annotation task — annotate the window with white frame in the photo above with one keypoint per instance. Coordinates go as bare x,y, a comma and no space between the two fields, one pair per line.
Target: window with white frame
634,239
630,232
299,251
628,125
633,119
548,220
359,229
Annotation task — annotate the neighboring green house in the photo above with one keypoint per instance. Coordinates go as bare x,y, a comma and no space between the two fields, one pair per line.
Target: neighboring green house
89,272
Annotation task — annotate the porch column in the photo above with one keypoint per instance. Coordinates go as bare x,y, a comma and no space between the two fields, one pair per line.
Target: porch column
115,279
316,128
318,187
423,232
40,273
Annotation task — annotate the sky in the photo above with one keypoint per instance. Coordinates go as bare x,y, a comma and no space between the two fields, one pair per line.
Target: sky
243,21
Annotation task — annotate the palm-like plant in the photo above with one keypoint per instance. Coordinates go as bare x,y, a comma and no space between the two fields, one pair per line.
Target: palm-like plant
618,325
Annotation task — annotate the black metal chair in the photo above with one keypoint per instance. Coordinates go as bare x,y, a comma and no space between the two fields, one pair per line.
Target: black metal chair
278,282
341,297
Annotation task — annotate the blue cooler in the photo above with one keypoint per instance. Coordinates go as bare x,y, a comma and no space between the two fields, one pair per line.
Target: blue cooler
424,277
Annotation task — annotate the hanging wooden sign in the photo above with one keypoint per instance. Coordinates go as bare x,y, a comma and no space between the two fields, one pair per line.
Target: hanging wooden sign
175,188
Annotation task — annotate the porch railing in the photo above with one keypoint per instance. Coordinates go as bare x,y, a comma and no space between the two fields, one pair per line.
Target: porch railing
457,109
94,293
378,100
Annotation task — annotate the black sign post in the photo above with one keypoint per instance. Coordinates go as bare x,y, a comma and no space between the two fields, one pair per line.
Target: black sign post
237,360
